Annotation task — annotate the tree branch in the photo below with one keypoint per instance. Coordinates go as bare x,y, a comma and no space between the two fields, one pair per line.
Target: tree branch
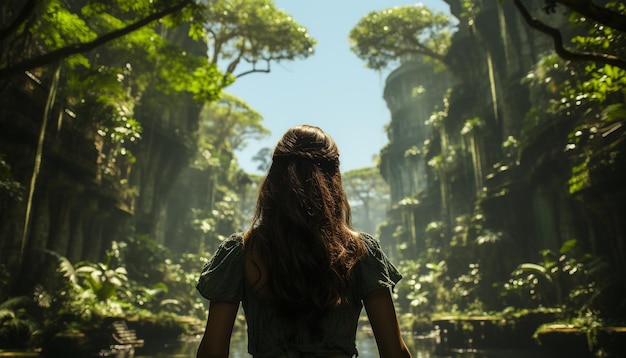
233,64
254,69
600,14
424,50
75,49
558,42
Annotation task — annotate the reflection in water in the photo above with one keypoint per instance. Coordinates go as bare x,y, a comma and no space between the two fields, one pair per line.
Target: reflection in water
420,348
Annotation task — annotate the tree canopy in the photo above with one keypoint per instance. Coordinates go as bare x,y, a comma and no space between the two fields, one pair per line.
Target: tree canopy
253,31
368,194
226,125
65,32
382,38
606,24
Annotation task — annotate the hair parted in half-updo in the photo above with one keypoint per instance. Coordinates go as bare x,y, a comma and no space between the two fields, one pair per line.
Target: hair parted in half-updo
301,235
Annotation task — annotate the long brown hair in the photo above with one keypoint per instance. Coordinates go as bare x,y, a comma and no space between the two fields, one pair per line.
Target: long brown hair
301,229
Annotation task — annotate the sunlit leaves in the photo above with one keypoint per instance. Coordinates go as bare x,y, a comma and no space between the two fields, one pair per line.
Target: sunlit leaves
105,93
205,83
223,218
64,27
59,27
615,112
470,10
254,31
591,97
225,127
471,125
382,38
558,280
599,37
603,82
102,280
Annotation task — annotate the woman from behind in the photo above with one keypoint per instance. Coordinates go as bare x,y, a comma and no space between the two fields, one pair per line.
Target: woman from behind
302,273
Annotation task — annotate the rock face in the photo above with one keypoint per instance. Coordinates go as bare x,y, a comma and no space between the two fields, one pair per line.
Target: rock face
83,197
479,171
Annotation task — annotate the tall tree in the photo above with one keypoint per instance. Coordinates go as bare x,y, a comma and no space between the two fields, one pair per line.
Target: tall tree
252,31
24,21
368,194
227,125
383,38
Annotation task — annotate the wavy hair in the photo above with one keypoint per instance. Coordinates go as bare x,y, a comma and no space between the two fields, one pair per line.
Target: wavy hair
301,229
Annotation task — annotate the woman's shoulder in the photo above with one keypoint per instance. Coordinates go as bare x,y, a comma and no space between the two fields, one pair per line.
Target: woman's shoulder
222,276
371,243
235,240
374,270
228,252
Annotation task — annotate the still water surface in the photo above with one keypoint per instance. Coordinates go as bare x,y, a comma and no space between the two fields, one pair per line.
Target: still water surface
420,348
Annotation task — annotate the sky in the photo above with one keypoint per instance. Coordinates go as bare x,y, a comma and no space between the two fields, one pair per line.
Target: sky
331,89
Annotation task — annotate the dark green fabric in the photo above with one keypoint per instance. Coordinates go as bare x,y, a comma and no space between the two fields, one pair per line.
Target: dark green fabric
223,279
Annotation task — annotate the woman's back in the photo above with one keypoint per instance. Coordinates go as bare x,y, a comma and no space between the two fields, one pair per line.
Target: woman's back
270,334
300,270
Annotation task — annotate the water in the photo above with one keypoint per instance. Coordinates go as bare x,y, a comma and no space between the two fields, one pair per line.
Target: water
420,347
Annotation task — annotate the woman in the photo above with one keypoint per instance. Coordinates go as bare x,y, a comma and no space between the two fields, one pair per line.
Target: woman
302,273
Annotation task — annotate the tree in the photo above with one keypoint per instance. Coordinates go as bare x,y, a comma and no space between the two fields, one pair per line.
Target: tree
92,50
604,15
613,16
254,31
18,31
368,194
382,38
226,125
263,158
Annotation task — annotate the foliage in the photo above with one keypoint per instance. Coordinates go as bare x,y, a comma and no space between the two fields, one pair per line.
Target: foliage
560,281
264,159
24,53
420,287
81,296
368,195
448,161
587,96
587,323
159,280
225,127
600,37
17,327
594,98
439,281
104,94
577,122
181,277
253,31
382,38
601,20
470,10
100,89
216,224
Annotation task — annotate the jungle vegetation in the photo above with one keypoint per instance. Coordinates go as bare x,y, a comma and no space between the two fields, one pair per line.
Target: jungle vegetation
504,195
501,183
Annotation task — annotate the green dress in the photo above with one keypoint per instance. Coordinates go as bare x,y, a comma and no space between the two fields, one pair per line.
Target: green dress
223,279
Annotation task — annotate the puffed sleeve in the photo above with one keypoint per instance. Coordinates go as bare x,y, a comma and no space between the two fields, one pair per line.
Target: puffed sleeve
222,276
375,270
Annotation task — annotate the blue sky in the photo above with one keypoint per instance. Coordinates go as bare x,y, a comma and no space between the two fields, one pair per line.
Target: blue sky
331,89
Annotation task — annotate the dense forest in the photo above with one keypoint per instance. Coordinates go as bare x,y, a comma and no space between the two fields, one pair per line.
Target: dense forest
499,194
